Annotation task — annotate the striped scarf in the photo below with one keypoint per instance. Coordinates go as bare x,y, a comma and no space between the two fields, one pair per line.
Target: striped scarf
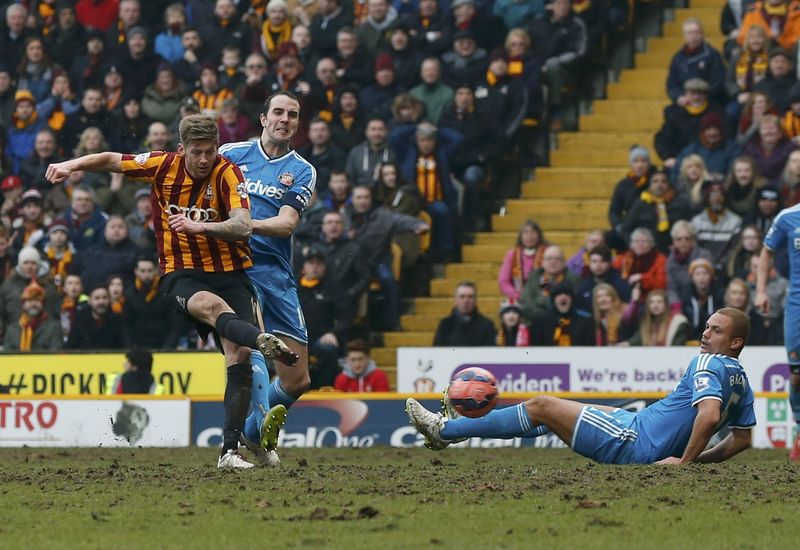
28,326
212,101
661,207
791,124
607,331
428,179
561,335
59,263
273,37
751,68
518,272
639,182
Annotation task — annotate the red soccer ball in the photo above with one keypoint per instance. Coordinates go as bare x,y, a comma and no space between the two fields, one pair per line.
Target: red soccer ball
473,392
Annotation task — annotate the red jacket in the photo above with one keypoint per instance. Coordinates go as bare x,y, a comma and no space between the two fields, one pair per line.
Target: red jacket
373,380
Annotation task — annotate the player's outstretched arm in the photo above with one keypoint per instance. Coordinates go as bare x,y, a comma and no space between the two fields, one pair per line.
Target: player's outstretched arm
98,162
705,424
281,225
237,227
740,439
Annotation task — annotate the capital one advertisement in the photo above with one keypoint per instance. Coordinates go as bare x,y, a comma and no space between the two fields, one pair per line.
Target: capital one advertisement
607,369
94,423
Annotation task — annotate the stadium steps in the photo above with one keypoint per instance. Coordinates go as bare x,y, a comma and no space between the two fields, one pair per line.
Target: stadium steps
570,197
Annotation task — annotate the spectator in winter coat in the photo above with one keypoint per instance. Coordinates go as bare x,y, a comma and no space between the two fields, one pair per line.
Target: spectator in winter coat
97,327
114,255
325,156
683,252
150,321
29,267
373,226
660,326
376,99
643,264
696,59
625,194
743,183
364,160
703,299
325,25
682,122
486,27
91,113
513,331
656,210
233,126
346,266
433,93
360,373
561,324
327,315
717,226
465,63
579,262
520,261
711,145
535,298
36,330
45,152
747,68
465,326
599,271
23,130
770,148
373,34
779,80
407,59
85,220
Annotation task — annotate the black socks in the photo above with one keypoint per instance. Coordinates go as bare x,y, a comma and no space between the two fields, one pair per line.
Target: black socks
237,403
231,327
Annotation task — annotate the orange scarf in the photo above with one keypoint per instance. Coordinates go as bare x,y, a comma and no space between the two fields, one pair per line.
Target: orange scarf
791,124
28,326
638,182
751,68
661,207
20,124
59,262
715,216
561,335
428,178
151,292
118,306
283,32
699,110
309,283
517,273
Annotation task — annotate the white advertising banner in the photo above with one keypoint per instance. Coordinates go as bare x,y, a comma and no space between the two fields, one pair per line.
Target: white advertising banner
94,423
608,369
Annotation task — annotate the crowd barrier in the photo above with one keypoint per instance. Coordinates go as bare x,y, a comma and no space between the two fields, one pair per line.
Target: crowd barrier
317,420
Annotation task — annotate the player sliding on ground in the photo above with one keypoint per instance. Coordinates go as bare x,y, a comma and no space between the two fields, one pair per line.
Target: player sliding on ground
713,392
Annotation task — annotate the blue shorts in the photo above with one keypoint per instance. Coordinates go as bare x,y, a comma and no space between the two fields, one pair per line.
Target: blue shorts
277,297
791,334
605,437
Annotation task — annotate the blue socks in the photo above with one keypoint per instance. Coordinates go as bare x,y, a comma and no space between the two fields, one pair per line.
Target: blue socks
259,396
278,395
502,423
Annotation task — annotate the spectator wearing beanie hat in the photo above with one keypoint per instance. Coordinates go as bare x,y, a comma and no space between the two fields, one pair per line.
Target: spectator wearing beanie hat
626,192
25,123
562,325
36,330
59,251
376,99
407,59
465,63
716,226
704,297
30,267
501,99
682,122
29,228
513,331
779,80
138,64
711,145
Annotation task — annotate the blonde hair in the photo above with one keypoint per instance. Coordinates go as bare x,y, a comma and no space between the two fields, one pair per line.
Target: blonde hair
742,286
695,187
615,314
81,149
658,323
519,33
199,127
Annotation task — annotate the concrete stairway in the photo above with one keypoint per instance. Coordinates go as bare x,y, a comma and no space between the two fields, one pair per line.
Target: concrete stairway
570,197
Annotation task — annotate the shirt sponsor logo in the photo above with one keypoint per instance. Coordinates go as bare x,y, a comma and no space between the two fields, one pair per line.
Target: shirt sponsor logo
269,191
194,213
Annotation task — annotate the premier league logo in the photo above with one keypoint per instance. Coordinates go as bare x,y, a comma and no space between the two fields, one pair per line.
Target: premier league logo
286,179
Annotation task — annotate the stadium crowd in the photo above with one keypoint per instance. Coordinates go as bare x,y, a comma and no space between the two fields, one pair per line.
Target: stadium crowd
412,113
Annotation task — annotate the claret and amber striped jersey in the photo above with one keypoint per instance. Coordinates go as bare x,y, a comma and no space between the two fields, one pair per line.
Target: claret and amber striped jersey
174,192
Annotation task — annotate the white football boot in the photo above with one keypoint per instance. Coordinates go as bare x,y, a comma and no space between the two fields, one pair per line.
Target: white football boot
449,411
428,423
232,460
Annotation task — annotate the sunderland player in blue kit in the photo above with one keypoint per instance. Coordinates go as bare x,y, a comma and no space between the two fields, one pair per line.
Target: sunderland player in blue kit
713,392
279,183
785,231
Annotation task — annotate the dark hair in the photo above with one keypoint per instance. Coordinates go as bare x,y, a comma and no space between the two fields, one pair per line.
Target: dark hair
601,250
268,101
358,345
140,358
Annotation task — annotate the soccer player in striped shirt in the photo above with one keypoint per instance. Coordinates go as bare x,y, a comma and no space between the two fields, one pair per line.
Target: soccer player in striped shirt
203,251
712,393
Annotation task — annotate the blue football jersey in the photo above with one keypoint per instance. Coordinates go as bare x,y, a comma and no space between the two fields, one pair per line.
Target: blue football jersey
785,230
272,183
665,426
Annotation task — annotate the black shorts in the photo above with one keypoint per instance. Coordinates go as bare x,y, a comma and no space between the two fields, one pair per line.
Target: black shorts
232,286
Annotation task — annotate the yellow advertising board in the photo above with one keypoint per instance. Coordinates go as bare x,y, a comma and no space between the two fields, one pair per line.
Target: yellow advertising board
189,373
